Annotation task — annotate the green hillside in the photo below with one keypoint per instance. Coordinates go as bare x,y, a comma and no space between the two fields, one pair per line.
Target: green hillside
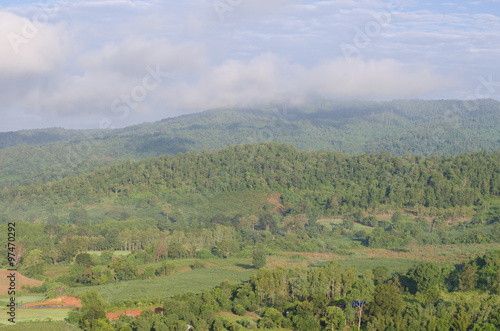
444,127
316,183
272,213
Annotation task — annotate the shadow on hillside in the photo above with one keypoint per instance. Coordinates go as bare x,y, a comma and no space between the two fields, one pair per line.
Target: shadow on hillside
245,266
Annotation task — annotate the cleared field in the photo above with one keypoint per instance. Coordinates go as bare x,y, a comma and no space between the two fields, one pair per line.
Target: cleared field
20,281
163,287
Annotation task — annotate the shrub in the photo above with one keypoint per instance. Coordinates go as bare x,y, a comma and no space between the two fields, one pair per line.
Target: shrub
266,323
199,265
204,254
149,272
74,317
166,269
249,324
259,258
239,310
360,234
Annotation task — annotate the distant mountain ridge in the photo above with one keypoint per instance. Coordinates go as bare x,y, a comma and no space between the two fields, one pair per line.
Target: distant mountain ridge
442,127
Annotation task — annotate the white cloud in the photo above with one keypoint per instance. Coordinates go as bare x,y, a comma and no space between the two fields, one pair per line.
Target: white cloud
133,55
89,53
269,78
29,47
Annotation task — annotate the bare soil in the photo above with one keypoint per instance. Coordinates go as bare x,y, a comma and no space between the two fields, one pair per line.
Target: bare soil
20,281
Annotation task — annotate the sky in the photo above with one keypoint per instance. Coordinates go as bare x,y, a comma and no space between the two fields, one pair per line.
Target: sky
97,64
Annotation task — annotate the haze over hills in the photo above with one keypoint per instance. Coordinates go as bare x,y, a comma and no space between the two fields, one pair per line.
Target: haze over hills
442,127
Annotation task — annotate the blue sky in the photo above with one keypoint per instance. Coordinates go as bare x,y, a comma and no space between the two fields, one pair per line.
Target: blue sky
113,63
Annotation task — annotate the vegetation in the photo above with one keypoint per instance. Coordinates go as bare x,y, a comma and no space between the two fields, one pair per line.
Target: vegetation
444,127
268,235
165,287
426,297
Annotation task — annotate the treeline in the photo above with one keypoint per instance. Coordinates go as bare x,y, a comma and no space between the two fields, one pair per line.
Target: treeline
426,297
165,239
330,183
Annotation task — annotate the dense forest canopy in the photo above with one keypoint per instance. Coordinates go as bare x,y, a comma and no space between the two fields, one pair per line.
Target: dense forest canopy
443,127
330,181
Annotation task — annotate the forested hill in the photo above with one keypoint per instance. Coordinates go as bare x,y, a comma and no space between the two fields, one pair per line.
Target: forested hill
444,127
323,182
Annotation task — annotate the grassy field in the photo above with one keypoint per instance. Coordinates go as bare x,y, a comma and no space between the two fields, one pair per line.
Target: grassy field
4,299
115,253
54,271
26,315
240,269
163,287
40,326
396,261
208,204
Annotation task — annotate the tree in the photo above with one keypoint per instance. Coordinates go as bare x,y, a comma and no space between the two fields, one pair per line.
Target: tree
259,257
334,317
34,257
360,294
426,275
124,269
102,324
166,268
176,251
107,255
93,308
161,250
34,263
227,246
387,300
467,278
71,246
379,274
78,214
52,229
84,259
253,220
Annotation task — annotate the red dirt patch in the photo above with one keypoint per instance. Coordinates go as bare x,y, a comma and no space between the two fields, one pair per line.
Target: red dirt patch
131,312
274,199
134,312
58,302
20,280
